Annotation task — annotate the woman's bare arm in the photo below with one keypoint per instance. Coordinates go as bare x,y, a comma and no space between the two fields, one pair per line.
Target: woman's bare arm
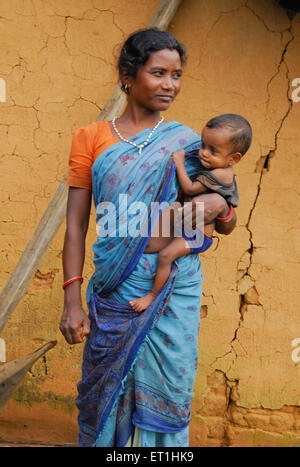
74,323
225,228
214,205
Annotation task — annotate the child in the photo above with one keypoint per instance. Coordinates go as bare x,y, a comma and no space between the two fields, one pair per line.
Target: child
225,139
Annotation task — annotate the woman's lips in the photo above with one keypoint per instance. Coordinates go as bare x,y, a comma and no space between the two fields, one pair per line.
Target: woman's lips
165,98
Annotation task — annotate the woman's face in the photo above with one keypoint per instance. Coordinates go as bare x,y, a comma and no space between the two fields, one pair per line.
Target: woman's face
157,83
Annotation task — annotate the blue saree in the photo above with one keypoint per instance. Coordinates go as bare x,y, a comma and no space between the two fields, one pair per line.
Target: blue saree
139,368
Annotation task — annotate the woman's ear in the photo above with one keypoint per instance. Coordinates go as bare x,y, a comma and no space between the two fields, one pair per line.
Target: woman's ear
124,81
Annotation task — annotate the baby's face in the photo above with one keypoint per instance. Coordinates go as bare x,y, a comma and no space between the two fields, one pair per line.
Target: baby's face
216,150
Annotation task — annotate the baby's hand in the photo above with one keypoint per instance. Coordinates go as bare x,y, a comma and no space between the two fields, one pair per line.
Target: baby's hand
178,157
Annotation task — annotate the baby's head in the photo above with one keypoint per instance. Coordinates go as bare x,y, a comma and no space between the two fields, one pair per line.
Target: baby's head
225,139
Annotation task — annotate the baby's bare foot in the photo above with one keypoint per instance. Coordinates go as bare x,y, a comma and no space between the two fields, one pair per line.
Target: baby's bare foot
140,304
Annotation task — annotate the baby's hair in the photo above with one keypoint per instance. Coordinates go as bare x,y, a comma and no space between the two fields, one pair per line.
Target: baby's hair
239,127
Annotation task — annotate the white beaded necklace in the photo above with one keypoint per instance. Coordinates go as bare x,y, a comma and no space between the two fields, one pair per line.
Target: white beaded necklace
139,146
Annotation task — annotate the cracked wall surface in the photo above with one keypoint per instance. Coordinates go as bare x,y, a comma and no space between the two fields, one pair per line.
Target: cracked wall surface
58,59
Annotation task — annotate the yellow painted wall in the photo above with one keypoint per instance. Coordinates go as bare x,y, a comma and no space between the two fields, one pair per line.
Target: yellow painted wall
58,59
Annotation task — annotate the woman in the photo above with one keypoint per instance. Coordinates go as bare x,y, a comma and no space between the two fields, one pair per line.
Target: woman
138,368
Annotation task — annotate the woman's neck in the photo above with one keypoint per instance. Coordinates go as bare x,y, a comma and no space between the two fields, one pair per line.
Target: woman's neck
135,119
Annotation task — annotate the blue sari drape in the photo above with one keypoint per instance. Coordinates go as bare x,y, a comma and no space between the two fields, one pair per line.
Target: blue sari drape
138,368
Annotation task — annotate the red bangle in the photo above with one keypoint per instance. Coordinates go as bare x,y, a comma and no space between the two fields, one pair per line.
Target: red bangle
72,280
225,219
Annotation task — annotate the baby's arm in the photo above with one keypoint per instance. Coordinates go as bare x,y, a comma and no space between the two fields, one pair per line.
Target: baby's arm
188,187
221,175
224,174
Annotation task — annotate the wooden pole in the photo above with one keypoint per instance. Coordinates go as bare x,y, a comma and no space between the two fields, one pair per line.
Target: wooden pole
164,14
12,373
54,214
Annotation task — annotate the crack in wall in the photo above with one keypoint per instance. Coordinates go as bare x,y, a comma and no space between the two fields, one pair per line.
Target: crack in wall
223,418
45,365
251,296
262,20
265,167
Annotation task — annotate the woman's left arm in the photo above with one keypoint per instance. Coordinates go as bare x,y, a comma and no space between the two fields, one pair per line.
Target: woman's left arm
226,227
214,205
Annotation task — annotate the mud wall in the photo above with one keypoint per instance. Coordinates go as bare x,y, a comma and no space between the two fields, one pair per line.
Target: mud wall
57,60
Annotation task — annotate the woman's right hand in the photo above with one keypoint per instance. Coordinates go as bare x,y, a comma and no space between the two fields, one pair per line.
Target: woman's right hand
74,324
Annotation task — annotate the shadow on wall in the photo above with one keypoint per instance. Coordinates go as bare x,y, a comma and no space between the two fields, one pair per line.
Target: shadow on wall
291,6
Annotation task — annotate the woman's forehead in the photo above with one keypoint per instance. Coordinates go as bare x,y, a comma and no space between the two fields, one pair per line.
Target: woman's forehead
164,58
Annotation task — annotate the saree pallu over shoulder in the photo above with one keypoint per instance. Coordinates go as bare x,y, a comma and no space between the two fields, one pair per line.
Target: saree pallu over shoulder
124,181
125,185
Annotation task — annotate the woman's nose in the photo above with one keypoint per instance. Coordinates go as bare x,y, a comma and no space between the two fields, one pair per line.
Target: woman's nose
168,83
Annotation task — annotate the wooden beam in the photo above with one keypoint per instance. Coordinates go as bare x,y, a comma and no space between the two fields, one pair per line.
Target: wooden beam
12,373
54,214
164,14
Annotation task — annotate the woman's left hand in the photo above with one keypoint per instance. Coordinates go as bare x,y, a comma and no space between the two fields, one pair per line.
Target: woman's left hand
205,208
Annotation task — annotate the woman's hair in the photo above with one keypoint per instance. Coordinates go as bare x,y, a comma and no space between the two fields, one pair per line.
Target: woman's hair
141,44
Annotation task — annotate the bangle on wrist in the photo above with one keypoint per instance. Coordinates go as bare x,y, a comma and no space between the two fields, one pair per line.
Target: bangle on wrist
227,218
73,279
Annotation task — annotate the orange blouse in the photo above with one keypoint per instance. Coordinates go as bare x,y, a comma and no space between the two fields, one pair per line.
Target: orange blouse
87,143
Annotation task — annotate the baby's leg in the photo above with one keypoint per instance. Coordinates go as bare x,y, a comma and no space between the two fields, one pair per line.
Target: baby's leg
177,248
157,244
163,233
